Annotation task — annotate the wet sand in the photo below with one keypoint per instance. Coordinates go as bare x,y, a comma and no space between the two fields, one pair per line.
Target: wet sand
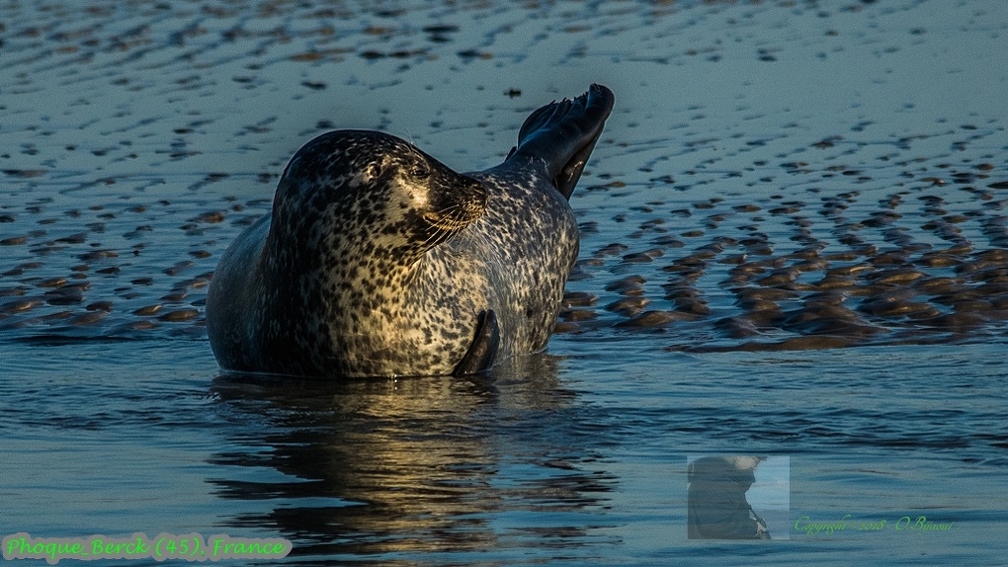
796,210
145,139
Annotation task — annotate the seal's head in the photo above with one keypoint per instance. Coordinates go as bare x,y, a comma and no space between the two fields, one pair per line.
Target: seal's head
368,194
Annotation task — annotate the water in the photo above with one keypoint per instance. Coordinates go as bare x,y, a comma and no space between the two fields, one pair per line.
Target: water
764,137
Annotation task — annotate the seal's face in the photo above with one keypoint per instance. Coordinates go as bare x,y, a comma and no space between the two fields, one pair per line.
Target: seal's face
373,194
427,201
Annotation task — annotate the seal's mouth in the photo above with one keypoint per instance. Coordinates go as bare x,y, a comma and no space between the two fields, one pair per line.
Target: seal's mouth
451,222
456,217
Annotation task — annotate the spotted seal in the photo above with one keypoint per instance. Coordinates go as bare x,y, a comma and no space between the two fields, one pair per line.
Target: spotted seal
378,260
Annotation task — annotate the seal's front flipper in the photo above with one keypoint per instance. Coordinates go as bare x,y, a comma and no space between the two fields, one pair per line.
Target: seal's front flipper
563,134
483,351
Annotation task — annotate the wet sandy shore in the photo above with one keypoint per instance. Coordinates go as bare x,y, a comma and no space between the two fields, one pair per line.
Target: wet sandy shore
752,217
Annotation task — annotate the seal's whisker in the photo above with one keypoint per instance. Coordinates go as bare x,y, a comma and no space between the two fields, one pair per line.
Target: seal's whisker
439,235
452,218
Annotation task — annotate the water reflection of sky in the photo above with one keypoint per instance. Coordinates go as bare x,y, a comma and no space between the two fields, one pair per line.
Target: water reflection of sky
772,489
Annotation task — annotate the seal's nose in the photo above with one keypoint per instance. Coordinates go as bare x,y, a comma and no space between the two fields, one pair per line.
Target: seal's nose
476,198
459,201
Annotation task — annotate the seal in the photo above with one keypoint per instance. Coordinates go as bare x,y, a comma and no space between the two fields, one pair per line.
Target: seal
378,260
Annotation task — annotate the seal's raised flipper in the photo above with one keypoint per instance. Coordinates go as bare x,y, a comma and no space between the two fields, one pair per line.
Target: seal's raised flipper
563,134
481,354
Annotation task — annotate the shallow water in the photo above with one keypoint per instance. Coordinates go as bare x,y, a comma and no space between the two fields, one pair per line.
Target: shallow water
793,243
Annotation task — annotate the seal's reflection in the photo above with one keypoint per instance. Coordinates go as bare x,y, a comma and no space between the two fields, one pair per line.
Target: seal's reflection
717,505
410,465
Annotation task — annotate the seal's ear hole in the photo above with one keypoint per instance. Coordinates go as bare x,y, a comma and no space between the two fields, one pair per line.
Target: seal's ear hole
373,170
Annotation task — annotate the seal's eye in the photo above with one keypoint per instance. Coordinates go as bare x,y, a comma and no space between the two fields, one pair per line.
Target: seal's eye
419,171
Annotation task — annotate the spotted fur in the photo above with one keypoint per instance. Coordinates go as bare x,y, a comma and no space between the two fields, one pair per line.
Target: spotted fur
378,260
